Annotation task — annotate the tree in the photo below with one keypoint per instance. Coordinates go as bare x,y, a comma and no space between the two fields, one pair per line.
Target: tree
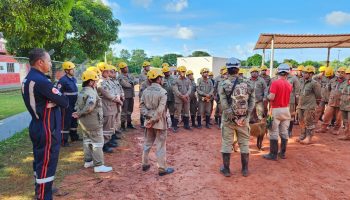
125,55
199,54
254,60
294,63
275,64
94,30
138,56
347,61
171,58
310,62
29,24
157,61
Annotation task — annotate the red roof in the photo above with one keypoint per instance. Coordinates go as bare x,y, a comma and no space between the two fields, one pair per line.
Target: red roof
7,59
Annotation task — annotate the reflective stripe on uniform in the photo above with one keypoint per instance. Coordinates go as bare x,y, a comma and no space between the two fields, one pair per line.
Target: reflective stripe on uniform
96,145
45,180
64,131
32,98
70,93
107,132
87,141
73,129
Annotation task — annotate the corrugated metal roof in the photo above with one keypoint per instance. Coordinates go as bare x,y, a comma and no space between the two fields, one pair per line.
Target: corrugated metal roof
292,41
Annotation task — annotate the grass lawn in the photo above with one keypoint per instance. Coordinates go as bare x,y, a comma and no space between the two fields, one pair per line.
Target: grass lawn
11,103
16,169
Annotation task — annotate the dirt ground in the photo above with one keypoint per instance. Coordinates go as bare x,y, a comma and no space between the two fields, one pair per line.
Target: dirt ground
317,171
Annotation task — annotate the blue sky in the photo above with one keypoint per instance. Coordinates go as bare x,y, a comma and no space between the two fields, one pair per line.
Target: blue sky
226,28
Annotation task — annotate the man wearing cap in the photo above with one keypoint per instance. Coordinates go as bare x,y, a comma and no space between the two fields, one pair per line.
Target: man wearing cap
264,75
128,82
323,80
310,96
168,82
193,99
205,90
143,83
68,87
218,80
153,107
279,97
260,89
295,82
182,89
237,101
335,87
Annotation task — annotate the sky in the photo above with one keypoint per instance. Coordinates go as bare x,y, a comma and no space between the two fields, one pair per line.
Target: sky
226,28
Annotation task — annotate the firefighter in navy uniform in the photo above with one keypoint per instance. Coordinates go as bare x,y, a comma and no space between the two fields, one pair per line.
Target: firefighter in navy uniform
43,102
68,87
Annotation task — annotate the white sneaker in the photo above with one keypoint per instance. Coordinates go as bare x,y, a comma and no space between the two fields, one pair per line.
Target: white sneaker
102,168
89,164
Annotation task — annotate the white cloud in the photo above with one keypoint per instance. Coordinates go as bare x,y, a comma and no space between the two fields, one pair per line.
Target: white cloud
337,18
113,5
155,31
242,51
176,5
184,33
142,3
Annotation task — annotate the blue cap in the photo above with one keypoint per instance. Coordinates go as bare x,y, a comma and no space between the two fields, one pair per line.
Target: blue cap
233,62
283,68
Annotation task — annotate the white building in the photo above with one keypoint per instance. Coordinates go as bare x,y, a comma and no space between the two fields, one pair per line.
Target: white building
197,63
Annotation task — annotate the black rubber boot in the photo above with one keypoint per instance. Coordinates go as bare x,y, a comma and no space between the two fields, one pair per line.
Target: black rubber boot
187,123
117,135
207,121
290,128
199,121
245,161
175,127
112,144
219,122
114,139
193,119
225,169
74,136
172,118
65,142
282,153
107,149
122,126
130,125
273,151
216,119
142,121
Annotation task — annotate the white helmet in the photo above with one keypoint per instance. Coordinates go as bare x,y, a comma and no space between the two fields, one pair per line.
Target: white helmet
233,63
283,68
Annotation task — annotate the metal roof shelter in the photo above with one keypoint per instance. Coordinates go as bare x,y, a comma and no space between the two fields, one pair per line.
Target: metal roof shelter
296,41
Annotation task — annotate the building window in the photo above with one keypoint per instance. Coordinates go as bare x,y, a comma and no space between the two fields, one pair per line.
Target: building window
1,68
10,67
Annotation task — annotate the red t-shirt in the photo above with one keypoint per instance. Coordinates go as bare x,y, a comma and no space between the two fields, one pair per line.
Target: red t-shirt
282,89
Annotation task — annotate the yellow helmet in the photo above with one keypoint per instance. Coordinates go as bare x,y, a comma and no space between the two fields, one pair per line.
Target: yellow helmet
146,64
182,69
322,69
204,70
94,69
154,73
223,67
165,69
309,69
68,65
89,75
241,71
300,68
341,69
102,66
165,65
189,72
254,69
210,74
113,68
328,72
347,71
263,67
224,71
122,65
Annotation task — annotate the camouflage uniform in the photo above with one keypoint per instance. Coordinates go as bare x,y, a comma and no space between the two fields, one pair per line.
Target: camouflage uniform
218,110
118,90
170,104
127,81
193,103
260,89
323,81
335,86
143,83
182,87
295,81
345,109
153,107
236,108
204,88
310,94
267,79
89,110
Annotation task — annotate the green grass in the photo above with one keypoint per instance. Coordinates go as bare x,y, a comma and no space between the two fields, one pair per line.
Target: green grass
11,103
16,171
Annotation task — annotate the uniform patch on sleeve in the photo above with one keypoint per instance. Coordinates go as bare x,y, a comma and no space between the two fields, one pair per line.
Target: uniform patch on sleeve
59,86
56,91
